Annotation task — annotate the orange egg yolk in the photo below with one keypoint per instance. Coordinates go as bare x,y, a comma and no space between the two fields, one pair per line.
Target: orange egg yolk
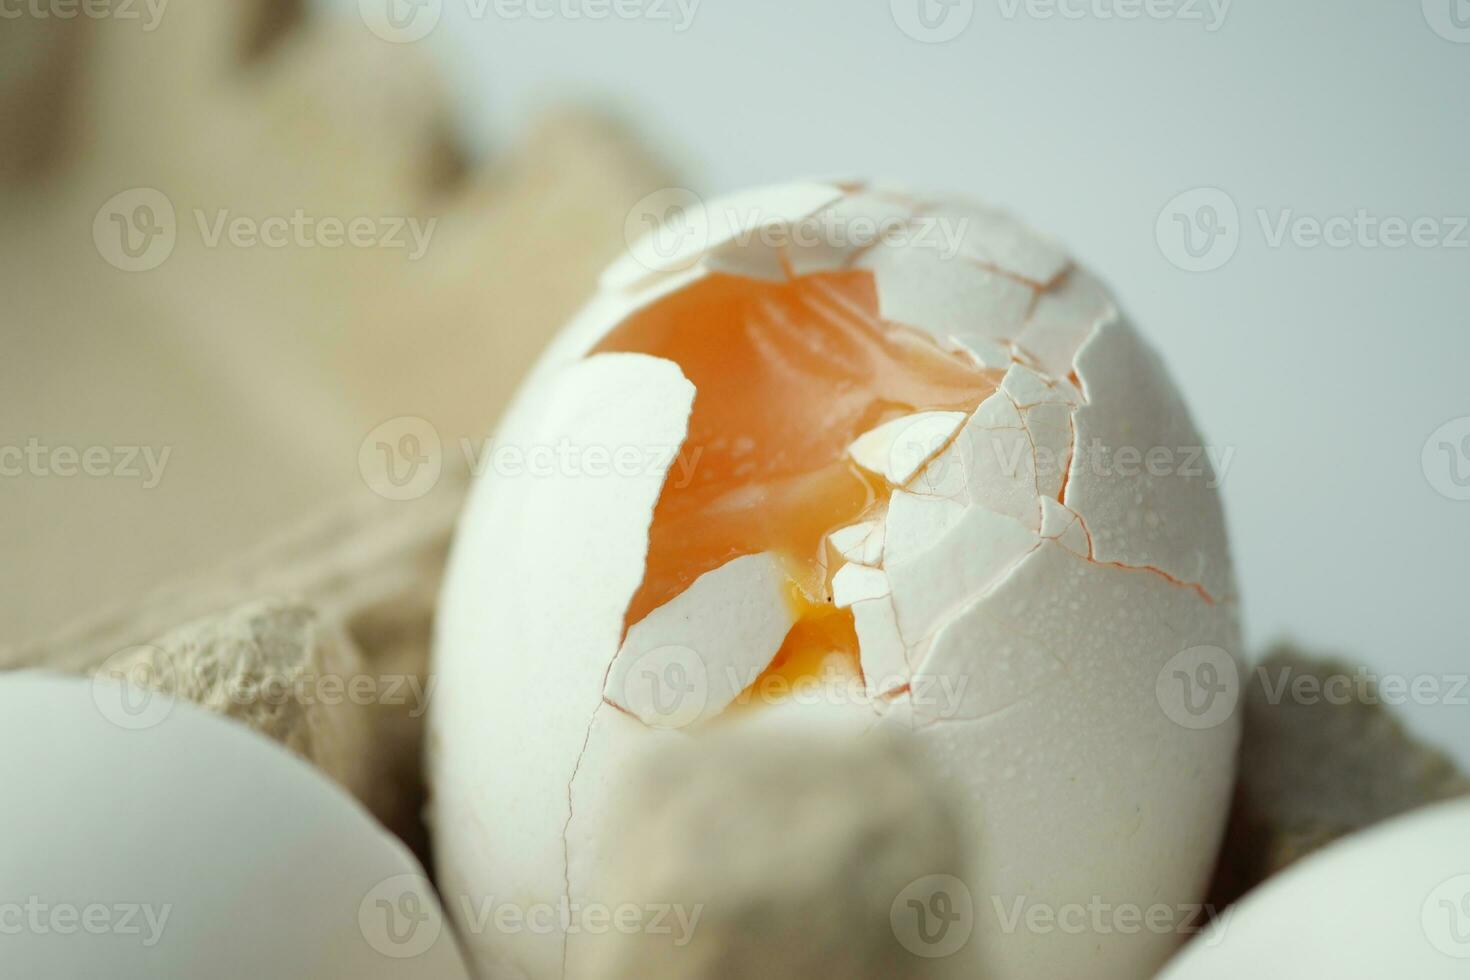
786,376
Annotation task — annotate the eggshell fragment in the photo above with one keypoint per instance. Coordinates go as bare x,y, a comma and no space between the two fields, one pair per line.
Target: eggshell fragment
725,235
860,543
1063,318
599,786
1049,427
1392,901
863,217
921,287
883,654
915,522
983,351
855,583
1165,517
1064,527
148,838
898,448
998,240
533,700
962,564
1027,389
997,458
714,638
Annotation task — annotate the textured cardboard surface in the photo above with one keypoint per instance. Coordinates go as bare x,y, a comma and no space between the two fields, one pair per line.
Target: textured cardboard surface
259,370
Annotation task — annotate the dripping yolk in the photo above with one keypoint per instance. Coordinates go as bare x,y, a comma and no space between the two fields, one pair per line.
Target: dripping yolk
786,376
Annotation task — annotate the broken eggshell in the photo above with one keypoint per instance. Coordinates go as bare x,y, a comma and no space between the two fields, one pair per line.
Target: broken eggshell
1015,602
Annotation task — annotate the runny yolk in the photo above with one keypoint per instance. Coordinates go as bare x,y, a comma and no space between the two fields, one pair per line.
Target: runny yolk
786,376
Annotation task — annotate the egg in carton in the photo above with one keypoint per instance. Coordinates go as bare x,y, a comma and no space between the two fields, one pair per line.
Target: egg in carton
831,456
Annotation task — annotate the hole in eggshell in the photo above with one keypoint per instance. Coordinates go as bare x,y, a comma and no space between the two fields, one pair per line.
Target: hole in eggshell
786,376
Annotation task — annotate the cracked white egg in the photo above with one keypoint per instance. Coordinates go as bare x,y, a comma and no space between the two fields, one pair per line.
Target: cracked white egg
1390,901
793,477
148,838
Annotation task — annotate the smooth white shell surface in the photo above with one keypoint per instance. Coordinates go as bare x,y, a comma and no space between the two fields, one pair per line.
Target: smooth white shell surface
1392,901
1017,607
146,839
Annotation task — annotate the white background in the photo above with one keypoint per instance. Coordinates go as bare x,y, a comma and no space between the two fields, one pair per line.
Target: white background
1324,369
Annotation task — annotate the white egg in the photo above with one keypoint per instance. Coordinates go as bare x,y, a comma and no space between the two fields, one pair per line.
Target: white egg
145,839
1392,901
1038,573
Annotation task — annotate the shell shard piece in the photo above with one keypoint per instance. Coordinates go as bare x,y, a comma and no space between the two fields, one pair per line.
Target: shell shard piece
1064,527
992,463
1028,389
861,543
1141,477
689,659
540,679
971,557
899,448
868,218
721,236
858,583
1049,427
985,352
884,656
1063,318
921,287
996,239
916,522
878,507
